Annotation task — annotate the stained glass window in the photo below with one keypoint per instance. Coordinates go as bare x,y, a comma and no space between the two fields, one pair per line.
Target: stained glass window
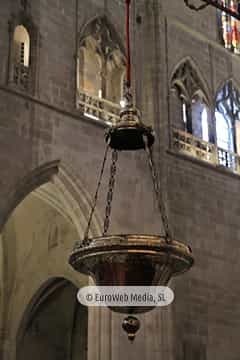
230,27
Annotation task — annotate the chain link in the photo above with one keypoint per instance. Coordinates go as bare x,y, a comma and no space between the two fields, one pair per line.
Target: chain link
111,184
86,241
158,193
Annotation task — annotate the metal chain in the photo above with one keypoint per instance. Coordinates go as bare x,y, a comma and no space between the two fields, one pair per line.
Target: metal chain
85,239
111,184
158,193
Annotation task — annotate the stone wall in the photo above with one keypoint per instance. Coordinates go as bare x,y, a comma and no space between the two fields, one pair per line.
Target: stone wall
202,201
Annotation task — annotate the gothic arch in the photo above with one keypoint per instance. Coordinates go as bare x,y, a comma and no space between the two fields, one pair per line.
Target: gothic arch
101,59
30,182
46,288
231,89
76,198
103,25
227,116
48,299
222,83
190,106
53,185
187,79
23,18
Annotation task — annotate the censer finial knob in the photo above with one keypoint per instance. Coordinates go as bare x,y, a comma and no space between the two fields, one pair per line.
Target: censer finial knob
131,325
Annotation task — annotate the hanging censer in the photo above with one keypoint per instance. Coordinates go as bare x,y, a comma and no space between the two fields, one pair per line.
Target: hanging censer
130,259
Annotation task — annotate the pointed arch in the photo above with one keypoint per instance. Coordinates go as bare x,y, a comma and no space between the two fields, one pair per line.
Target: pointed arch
187,79
53,305
57,183
55,189
192,100
234,83
23,51
101,25
21,40
40,295
30,182
43,291
101,60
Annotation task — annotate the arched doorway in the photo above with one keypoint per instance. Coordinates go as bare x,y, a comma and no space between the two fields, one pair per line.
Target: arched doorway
36,242
54,326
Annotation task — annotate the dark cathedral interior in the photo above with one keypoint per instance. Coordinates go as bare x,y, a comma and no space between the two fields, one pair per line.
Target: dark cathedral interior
119,168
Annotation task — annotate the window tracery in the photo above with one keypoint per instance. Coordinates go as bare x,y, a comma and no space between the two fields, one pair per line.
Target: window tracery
219,143
227,116
195,112
101,62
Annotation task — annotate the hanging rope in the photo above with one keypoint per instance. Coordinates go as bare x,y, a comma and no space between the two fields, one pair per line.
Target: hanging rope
128,81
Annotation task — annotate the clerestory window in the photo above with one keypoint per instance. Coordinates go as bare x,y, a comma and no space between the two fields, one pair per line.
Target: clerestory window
23,51
189,94
21,57
229,27
100,71
227,116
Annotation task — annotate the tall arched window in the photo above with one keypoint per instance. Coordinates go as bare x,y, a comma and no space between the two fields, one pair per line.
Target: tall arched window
199,118
224,132
190,97
90,72
21,40
21,56
204,123
23,51
227,116
101,61
230,27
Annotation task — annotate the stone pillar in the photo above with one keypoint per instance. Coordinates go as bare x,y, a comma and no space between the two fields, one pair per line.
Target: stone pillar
99,333
108,341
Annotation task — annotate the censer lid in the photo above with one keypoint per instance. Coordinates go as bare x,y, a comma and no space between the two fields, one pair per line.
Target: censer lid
130,133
